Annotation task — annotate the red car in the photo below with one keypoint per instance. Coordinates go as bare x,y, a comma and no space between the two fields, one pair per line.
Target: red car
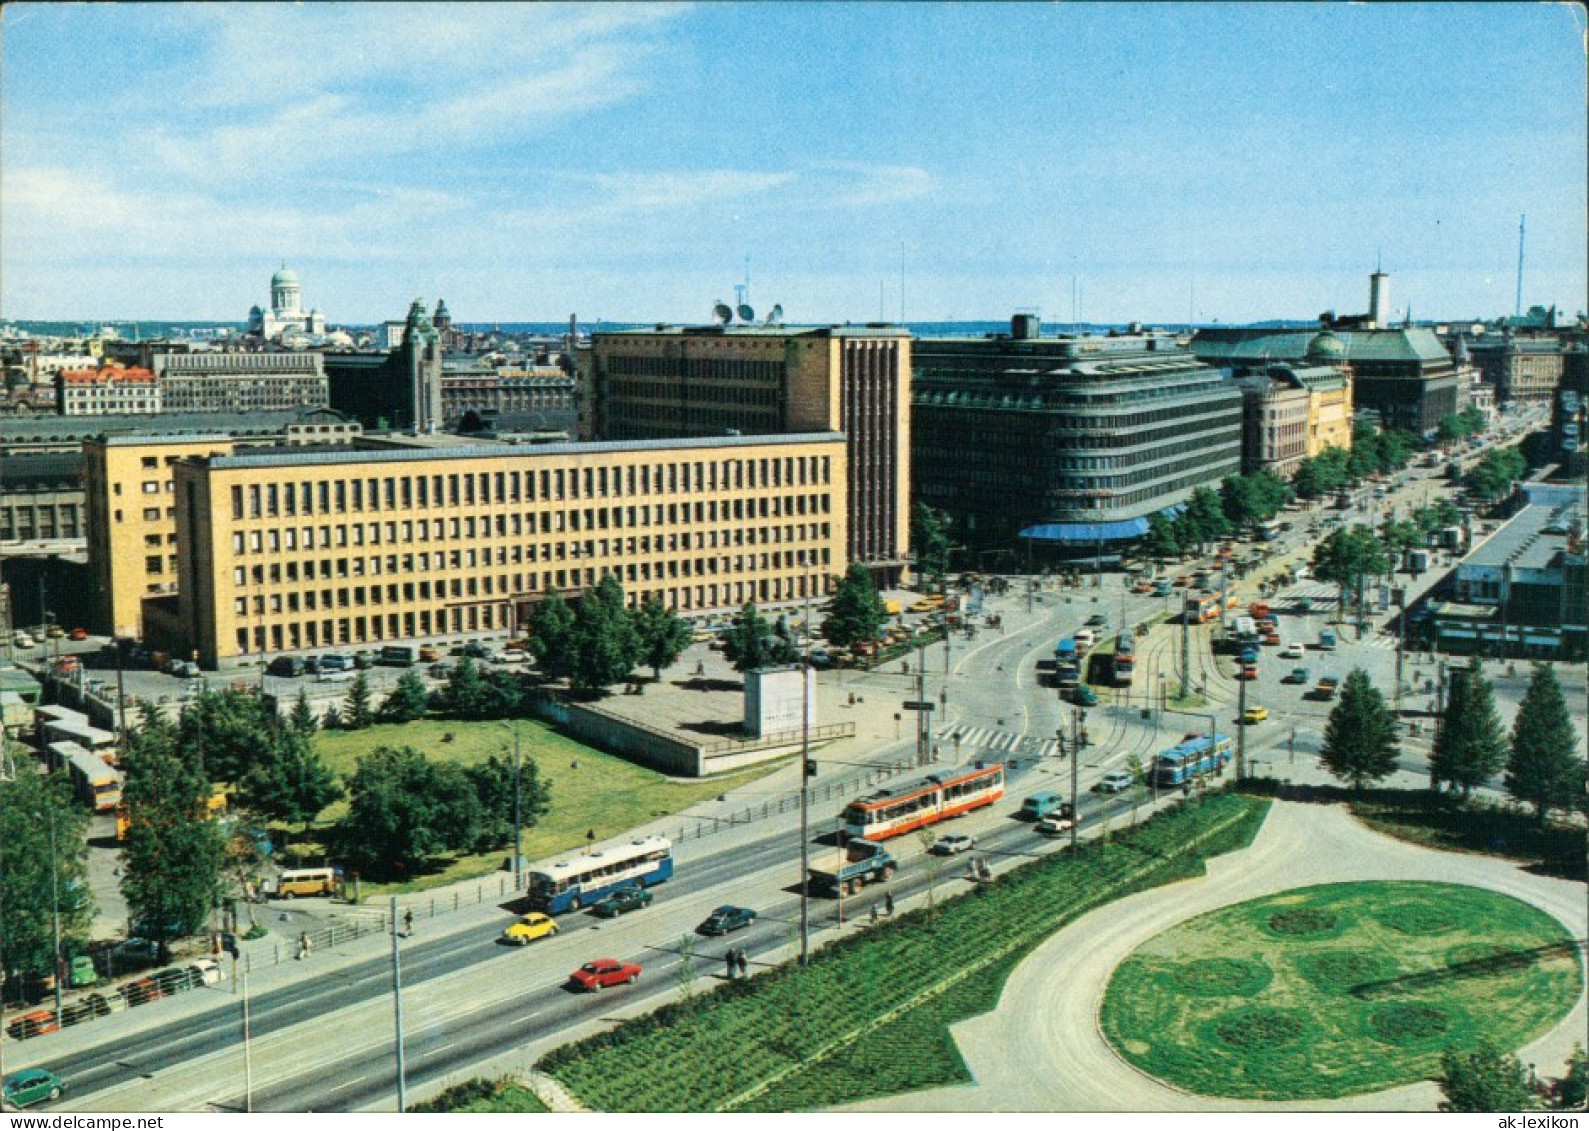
141,991
603,972
79,634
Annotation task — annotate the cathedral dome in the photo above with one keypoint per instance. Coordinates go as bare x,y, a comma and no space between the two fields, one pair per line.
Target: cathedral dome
283,278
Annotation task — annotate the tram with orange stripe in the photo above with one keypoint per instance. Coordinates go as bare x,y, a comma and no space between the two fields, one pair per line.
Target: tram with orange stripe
926,801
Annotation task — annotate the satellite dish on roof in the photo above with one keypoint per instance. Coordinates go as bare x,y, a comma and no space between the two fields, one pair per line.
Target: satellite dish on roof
775,314
723,314
746,313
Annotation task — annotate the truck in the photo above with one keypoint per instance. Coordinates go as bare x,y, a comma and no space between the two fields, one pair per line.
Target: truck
1040,805
396,656
1417,561
1325,689
865,862
1327,640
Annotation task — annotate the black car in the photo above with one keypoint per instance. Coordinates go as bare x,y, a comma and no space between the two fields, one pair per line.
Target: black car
286,667
1097,620
615,903
725,919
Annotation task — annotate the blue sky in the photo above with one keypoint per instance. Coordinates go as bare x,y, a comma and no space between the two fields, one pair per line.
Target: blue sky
528,162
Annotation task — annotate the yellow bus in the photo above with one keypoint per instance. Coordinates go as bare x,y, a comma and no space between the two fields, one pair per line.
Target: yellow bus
295,882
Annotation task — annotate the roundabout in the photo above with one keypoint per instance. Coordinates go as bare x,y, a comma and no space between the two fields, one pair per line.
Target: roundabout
1338,989
1407,968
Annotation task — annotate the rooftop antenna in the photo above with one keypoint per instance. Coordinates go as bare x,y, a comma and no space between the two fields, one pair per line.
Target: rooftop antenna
1521,221
881,317
901,282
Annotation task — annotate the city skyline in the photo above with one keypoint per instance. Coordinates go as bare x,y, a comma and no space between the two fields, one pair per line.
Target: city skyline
1160,163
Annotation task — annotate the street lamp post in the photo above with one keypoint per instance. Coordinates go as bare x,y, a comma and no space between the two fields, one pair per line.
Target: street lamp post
55,918
518,826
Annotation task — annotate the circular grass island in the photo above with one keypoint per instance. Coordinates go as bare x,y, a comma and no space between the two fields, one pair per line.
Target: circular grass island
1338,989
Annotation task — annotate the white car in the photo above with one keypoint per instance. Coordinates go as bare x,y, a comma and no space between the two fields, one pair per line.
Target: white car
953,844
510,656
1054,824
1291,652
23,640
1115,781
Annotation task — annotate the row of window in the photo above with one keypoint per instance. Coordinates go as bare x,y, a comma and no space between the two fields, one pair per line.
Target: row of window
344,565
518,584
470,527
27,521
550,484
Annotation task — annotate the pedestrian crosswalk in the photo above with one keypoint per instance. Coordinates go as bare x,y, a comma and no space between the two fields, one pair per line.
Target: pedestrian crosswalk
996,741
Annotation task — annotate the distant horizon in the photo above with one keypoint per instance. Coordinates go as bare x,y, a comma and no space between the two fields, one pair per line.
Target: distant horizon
1168,163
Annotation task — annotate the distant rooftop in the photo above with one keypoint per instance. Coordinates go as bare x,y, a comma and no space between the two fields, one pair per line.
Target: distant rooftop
1536,537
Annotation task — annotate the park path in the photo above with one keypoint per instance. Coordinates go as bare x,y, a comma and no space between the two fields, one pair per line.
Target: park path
1042,1048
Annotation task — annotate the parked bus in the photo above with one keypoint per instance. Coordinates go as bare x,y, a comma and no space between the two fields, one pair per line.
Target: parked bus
93,780
1125,657
926,801
295,882
1193,758
578,881
1067,664
91,738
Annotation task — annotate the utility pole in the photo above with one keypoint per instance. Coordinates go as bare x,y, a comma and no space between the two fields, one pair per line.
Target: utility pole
1186,652
1075,774
55,917
1241,728
805,794
518,828
397,1005
248,1049
923,746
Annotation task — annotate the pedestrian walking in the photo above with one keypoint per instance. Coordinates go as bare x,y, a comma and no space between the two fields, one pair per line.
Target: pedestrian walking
303,945
888,904
730,964
874,912
743,963
408,922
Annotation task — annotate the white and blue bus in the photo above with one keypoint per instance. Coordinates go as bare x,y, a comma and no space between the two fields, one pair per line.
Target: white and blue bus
578,881
1193,758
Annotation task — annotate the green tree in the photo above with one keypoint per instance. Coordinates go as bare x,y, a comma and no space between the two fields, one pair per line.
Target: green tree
465,695
930,536
1452,427
1544,769
31,806
551,630
1572,1090
1398,535
1250,499
856,613
1364,458
303,718
1360,744
1347,558
407,701
1203,520
356,712
604,643
1396,447
1161,542
504,694
405,809
1481,1079
174,853
751,643
663,635
290,783
225,730
493,784
1471,746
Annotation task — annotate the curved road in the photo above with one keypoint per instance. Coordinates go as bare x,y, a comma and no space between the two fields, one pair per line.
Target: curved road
1051,1003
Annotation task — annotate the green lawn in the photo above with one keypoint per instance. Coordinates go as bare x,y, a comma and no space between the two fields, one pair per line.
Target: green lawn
591,791
1338,989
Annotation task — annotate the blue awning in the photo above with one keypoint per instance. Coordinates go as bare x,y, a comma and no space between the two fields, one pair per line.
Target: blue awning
1093,532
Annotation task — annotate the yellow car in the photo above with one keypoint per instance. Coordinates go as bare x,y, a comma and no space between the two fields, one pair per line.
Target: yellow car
535,925
1255,714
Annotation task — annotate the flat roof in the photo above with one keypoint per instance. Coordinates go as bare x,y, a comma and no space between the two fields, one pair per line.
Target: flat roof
775,330
1534,538
291,457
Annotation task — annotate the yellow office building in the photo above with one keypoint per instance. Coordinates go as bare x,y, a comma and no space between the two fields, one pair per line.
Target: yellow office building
283,550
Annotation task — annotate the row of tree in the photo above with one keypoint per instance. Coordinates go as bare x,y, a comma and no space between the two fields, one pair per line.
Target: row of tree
1540,758
1491,478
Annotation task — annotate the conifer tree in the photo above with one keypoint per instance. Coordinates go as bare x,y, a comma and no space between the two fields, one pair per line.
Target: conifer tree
1544,769
1360,743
